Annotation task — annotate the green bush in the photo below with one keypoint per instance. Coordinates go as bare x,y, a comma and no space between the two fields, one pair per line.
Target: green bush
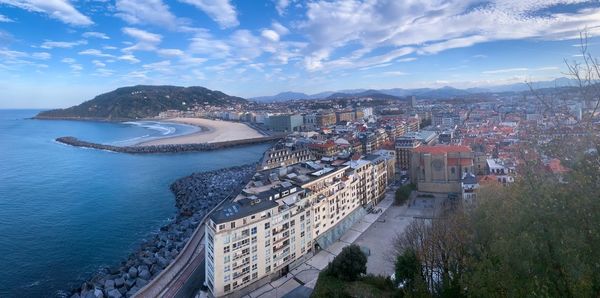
349,264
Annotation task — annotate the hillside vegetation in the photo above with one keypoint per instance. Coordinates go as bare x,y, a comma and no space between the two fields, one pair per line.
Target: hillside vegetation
142,102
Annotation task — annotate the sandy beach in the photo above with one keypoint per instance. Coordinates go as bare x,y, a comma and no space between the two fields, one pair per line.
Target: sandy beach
212,131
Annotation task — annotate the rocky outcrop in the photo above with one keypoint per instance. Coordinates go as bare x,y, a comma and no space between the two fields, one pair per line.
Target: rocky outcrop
166,148
195,196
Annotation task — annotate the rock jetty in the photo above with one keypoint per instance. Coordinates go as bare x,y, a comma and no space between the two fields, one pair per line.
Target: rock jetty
195,196
176,148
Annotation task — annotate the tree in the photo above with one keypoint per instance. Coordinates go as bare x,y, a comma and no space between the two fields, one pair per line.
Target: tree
409,275
349,264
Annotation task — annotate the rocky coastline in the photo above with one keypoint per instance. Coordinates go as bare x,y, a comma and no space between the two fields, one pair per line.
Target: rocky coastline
195,196
178,148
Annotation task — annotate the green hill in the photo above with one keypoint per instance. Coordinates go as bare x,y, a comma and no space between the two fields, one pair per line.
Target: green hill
142,102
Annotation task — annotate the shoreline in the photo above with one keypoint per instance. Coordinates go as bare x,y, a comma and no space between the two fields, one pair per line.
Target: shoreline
195,195
211,131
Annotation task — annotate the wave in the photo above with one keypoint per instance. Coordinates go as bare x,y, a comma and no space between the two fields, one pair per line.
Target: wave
164,128
131,140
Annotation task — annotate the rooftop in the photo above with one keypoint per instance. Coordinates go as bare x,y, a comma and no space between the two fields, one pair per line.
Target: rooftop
442,149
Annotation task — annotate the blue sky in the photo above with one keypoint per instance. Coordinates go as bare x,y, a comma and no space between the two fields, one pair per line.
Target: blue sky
57,53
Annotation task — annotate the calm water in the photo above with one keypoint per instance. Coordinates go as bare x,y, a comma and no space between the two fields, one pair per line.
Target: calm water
65,211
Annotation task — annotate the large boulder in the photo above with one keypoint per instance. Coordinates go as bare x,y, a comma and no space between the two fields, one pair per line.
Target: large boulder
145,274
133,273
109,284
140,283
114,293
119,282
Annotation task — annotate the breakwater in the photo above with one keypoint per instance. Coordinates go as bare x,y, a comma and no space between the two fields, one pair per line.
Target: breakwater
195,196
175,148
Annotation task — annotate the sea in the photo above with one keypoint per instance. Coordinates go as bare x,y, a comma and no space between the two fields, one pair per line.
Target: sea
66,212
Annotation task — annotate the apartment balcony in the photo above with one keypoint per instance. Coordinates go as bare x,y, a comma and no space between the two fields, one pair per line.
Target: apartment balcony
237,275
283,228
280,238
237,256
238,266
241,246
238,238
279,248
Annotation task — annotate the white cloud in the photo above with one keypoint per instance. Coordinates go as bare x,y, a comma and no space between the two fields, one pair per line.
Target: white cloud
103,72
68,60
146,41
505,70
99,35
41,55
76,67
61,10
270,35
142,35
281,5
129,58
153,12
5,19
49,44
221,11
98,63
280,29
161,66
433,26
170,52
95,52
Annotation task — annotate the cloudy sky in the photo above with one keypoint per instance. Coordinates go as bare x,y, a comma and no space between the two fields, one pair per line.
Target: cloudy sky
56,53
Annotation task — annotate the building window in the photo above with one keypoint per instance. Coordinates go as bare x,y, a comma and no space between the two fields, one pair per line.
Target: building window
254,258
233,224
268,269
226,268
226,259
254,267
453,170
253,231
226,249
267,225
268,242
226,278
227,288
254,275
221,227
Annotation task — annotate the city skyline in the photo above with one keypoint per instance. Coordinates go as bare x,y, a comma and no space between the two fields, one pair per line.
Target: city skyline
247,50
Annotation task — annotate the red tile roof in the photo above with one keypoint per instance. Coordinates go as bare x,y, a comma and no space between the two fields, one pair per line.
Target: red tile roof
442,149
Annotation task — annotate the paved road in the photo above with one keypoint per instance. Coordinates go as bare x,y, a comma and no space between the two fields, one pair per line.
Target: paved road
171,280
187,267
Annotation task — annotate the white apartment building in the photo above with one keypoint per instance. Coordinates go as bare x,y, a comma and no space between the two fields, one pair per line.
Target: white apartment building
275,221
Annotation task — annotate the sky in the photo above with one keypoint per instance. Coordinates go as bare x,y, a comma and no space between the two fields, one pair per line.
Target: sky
58,53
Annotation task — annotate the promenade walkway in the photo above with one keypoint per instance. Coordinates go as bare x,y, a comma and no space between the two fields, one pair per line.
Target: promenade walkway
374,231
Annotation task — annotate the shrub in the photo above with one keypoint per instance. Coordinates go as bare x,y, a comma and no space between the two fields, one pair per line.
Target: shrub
349,264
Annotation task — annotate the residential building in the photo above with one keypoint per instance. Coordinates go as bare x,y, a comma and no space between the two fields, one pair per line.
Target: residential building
325,119
283,154
280,216
286,122
404,148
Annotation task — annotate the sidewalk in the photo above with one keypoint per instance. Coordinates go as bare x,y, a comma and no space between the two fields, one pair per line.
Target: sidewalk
301,281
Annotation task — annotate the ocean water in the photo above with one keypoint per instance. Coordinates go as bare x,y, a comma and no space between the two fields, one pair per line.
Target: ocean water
66,211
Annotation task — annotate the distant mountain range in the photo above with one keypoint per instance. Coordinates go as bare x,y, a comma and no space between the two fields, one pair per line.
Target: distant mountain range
142,102
422,93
